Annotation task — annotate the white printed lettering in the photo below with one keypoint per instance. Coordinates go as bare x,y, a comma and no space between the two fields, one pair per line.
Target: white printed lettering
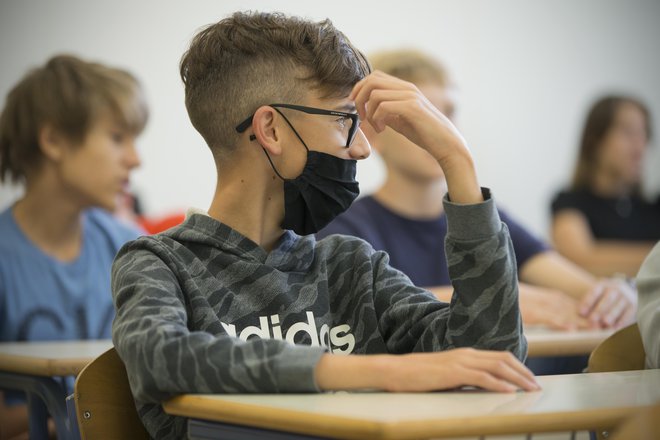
308,327
277,331
324,336
339,341
262,331
229,328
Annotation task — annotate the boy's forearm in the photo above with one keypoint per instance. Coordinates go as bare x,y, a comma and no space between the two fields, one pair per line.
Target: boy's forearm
488,287
338,372
606,258
461,176
497,371
551,271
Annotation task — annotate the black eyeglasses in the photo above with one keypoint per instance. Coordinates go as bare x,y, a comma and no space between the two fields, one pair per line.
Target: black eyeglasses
351,118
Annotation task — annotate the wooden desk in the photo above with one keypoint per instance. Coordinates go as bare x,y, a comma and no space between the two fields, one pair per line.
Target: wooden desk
566,403
543,342
33,366
58,358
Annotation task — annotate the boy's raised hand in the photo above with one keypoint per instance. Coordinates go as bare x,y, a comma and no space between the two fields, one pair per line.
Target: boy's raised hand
385,101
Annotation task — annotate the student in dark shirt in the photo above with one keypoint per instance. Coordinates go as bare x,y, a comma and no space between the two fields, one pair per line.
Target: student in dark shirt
415,245
602,222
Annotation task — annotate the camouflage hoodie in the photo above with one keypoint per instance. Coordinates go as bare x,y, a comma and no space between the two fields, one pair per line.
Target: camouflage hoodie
201,308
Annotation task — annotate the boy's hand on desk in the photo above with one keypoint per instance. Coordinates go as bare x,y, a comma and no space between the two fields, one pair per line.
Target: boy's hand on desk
385,101
611,303
491,370
551,308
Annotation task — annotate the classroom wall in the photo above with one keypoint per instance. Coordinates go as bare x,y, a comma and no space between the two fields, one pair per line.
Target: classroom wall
526,70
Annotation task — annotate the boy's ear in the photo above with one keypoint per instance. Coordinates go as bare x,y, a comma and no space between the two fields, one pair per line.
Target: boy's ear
266,129
51,142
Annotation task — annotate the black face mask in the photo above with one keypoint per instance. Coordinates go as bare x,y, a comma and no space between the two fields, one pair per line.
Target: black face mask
325,188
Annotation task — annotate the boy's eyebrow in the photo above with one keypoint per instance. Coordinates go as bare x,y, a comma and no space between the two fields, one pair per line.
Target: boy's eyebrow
347,108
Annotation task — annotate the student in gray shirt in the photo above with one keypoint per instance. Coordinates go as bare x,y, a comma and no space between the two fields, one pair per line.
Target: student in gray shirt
243,299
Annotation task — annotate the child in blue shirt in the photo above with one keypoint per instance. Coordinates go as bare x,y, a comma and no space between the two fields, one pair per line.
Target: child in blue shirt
67,133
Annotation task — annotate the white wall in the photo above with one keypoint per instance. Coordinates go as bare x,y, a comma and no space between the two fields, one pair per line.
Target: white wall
527,71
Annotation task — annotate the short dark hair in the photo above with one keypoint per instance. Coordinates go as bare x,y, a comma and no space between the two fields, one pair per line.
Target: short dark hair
70,94
252,59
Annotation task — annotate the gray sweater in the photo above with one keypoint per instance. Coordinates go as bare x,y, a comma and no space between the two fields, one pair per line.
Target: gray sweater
203,309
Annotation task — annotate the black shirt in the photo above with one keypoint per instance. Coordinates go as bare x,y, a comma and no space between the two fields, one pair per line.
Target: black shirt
613,218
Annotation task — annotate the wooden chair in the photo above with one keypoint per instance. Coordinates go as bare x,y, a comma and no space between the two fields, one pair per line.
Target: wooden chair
645,425
104,404
622,351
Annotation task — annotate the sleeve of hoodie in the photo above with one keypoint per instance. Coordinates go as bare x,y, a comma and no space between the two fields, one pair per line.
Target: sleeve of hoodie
163,357
483,312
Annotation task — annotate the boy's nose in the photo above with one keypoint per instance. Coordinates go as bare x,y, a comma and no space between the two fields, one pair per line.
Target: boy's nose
360,148
132,156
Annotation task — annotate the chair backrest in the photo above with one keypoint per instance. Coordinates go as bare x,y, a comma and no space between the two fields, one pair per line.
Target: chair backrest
104,404
622,351
644,425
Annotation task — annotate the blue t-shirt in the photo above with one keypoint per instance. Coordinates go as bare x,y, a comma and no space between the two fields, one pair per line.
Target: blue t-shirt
417,247
42,298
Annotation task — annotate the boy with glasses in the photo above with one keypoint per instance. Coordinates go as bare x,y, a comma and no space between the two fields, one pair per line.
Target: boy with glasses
243,299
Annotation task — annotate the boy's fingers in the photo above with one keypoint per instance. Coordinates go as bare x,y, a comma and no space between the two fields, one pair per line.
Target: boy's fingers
487,381
379,96
613,315
620,308
356,88
491,357
522,370
590,299
385,115
363,89
356,96
607,301
515,376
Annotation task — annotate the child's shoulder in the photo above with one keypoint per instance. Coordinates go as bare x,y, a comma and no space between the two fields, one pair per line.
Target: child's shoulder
100,223
175,242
